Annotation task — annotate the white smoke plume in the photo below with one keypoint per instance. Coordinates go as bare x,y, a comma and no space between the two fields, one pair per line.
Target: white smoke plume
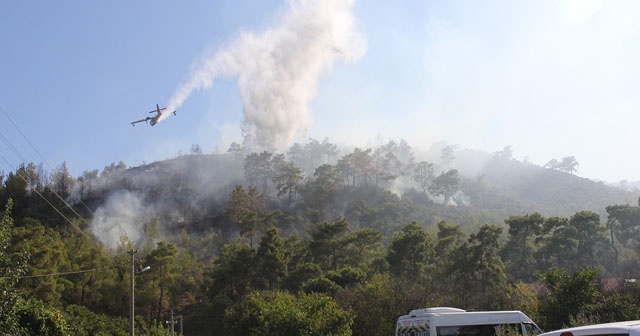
278,69
122,215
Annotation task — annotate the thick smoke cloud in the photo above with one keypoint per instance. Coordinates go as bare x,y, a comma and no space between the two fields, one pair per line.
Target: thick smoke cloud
122,215
278,69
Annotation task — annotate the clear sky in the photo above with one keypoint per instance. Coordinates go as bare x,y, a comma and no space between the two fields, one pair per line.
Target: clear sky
548,78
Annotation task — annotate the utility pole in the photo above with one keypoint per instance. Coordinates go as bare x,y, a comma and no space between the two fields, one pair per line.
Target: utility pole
181,333
131,301
172,323
133,289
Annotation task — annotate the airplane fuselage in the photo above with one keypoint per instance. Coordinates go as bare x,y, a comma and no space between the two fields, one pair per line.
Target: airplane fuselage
153,120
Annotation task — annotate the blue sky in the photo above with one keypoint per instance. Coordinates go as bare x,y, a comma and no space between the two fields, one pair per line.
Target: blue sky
548,78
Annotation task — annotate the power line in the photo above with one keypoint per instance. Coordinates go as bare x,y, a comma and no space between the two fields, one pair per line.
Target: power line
13,149
25,137
17,152
44,198
34,189
65,273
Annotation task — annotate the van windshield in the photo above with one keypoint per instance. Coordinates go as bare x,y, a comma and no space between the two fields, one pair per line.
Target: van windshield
532,329
480,330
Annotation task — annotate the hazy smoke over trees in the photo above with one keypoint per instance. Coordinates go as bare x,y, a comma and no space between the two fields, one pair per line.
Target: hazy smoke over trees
119,217
278,69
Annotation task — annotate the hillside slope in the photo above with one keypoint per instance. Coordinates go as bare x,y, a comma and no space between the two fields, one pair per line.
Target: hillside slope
547,191
193,191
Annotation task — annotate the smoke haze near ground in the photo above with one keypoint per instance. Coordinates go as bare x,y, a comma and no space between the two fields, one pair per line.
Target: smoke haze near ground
120,216
278,69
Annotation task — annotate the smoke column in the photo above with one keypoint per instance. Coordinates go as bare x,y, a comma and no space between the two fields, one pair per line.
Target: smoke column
278,69
122,215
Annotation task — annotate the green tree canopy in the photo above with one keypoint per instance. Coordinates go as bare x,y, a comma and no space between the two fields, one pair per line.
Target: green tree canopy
519,250
567,296
12,267
281,313
271,258
446,184
328,243
410,251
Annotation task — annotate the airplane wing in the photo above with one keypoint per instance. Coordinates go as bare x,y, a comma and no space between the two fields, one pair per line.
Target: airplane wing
152,120
133,123
158,109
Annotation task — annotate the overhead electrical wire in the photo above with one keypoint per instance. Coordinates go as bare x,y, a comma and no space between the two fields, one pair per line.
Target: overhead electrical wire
34,189
65,273
19,155
44,198
6,141
62,273
24,136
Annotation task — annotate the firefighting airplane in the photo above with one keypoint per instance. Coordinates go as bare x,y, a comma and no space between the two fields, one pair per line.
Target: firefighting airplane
152,120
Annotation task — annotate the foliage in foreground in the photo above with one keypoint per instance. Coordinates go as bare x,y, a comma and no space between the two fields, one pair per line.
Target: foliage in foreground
281,313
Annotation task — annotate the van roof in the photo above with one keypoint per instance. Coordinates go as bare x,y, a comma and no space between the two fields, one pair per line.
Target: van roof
436,310
472,318
626,327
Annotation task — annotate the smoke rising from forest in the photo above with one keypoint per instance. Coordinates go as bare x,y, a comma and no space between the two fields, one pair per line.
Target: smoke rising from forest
278,69
120,216
144,203
192,192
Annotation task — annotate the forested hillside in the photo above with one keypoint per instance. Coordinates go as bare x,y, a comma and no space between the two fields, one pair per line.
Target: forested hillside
356,235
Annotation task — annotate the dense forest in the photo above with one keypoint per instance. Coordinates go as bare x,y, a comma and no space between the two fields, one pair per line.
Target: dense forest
316,240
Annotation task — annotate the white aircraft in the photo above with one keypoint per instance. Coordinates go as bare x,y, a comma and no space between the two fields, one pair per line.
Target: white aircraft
152,120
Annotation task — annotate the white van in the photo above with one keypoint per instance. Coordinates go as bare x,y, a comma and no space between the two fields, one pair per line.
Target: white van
626,328
446,321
